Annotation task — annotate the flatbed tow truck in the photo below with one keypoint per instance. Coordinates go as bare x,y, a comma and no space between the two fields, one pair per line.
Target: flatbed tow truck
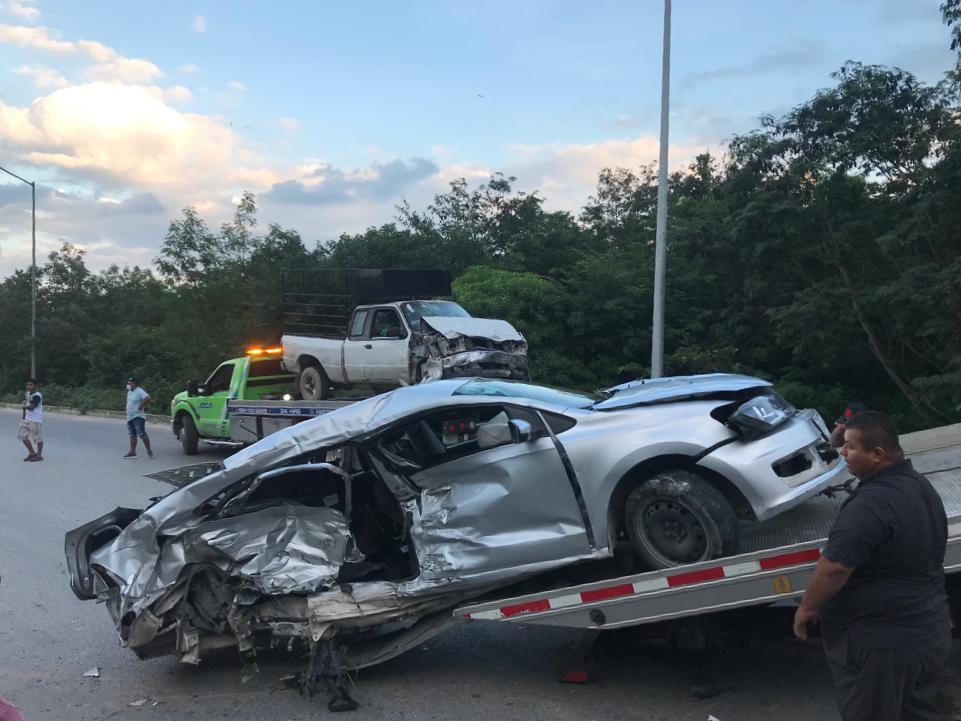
775,564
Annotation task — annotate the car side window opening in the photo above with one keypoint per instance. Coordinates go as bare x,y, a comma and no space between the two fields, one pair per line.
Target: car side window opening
377,523
219,380
386,324
358,323
445,435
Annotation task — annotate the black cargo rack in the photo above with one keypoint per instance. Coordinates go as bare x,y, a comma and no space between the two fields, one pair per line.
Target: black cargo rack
318,301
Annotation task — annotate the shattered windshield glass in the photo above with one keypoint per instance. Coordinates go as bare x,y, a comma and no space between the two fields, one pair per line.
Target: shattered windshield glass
416,309
514,389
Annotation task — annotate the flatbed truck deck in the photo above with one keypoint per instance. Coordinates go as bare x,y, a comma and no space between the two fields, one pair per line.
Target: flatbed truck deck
775,562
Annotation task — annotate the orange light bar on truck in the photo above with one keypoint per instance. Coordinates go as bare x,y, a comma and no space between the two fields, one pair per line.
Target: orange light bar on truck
264,351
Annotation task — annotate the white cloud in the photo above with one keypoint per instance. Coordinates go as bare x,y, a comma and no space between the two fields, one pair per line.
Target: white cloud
177,94
97,51
38,38
237,86
200,23
108,64
567,174
189,69
24,9
288,124
42,77
125,70
127,135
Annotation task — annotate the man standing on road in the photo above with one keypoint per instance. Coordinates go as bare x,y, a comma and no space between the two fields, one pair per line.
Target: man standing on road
31,422
878,589
137,399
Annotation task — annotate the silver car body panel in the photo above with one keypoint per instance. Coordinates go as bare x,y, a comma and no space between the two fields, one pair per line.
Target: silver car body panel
676,388
466,503
749,464
477,521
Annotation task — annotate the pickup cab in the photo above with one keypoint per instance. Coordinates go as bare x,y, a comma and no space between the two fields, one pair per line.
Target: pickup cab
201,411
403,343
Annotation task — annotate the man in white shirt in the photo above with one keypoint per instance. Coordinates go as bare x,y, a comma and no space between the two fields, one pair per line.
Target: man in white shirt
31,422
137,399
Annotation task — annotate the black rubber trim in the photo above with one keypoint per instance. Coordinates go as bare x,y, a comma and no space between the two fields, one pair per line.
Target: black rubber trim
572,479
710,449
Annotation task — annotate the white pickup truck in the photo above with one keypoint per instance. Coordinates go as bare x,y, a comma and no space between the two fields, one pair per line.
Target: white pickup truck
402,343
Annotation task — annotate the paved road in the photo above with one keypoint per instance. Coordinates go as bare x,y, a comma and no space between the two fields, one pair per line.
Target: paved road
477,671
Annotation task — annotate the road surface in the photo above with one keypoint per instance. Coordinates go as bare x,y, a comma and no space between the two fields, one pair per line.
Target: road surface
48,638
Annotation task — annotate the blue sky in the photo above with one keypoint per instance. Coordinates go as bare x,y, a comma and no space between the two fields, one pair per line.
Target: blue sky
332,113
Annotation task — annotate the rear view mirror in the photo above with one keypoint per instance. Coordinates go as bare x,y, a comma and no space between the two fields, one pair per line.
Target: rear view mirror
493,434
192,389
521,431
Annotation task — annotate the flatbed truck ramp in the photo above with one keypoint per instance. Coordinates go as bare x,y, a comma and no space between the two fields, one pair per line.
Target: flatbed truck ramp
775,564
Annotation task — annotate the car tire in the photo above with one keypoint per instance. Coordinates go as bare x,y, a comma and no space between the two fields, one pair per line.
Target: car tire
676,517
313,384
189,437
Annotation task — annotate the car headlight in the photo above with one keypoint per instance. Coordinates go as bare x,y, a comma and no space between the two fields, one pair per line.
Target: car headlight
761,415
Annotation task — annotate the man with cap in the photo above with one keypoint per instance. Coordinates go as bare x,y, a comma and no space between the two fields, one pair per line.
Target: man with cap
137,399
850,410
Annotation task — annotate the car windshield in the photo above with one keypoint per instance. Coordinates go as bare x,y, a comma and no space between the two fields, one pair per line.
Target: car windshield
414,310
515,389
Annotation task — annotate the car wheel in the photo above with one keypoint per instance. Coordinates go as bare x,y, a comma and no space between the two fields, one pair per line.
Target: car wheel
313,384
677,517
189,435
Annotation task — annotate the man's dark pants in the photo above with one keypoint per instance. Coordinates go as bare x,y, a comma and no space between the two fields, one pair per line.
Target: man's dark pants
887,684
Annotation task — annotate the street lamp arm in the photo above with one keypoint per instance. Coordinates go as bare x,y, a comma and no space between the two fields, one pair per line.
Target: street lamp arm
22,180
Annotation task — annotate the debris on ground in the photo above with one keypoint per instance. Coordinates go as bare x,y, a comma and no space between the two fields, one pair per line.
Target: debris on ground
142,701
325,670
92,672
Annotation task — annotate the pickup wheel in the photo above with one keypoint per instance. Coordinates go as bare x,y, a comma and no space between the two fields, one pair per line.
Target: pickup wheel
676,517
313,383
189,435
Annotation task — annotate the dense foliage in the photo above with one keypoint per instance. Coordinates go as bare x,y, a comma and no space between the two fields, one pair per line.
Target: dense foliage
822,252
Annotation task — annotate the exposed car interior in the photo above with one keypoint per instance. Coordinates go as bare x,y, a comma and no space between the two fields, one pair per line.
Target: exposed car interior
342,480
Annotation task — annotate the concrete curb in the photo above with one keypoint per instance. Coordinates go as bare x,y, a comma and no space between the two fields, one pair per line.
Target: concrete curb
917,442
119,415
931,439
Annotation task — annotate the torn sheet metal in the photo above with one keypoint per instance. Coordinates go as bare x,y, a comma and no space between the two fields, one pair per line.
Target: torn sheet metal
282,549
495,330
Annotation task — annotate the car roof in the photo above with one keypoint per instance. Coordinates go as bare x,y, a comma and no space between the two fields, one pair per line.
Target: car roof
649,391
368,416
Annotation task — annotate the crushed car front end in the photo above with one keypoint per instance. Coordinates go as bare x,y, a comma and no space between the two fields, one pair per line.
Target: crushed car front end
471,347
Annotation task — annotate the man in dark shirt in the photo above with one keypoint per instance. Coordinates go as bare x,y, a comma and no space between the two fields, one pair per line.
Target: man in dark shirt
878,590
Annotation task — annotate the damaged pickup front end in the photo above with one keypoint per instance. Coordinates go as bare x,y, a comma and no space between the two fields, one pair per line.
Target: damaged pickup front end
459,347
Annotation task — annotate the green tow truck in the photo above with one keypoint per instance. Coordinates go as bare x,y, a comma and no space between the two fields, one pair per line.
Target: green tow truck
242,401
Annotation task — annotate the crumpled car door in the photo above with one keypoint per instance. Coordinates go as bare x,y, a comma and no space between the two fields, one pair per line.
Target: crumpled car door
507,507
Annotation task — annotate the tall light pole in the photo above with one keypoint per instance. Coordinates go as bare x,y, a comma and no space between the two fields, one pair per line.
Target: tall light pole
660,232
33,270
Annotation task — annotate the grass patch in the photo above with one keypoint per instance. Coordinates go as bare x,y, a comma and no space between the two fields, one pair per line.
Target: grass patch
92,398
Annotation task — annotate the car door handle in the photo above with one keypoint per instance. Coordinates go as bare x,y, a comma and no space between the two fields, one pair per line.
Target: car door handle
368,346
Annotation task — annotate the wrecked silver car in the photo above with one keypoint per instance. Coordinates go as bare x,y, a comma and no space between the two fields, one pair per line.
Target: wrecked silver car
369,524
